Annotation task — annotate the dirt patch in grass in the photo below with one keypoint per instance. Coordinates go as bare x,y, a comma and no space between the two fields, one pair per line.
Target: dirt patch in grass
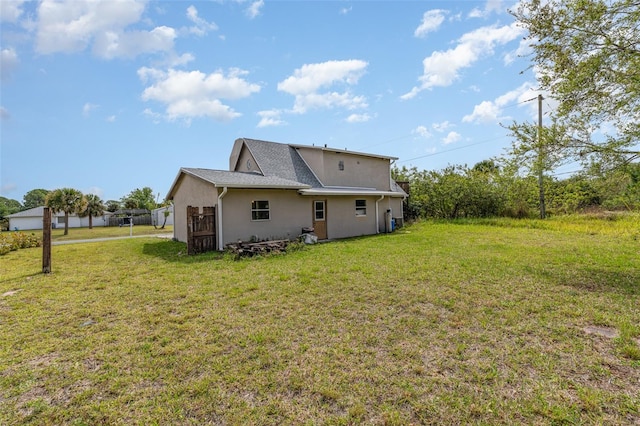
598,330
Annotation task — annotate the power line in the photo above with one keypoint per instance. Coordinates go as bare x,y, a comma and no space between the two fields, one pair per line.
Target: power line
452,149
384,142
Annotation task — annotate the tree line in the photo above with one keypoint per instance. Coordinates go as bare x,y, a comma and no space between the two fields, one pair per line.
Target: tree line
72,201
497,188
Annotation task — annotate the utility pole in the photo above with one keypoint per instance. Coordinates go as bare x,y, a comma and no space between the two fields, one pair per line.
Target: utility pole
541,159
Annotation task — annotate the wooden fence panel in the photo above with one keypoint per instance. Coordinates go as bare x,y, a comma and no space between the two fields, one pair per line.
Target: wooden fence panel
201,230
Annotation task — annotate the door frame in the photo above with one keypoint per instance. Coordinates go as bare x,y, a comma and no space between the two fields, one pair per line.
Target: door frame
320,231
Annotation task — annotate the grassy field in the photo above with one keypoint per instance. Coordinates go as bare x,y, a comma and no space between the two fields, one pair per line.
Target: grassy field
470,322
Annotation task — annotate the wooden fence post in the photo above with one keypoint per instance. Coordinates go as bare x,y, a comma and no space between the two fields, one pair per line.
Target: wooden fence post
46,241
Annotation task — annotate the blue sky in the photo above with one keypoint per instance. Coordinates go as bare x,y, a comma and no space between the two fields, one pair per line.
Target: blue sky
109,96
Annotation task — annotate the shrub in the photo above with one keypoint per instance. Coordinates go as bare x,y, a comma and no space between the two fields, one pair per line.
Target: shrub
17,240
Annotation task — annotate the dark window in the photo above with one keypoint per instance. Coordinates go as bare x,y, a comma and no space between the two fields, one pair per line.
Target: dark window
361,207
260,210
319,210
340,165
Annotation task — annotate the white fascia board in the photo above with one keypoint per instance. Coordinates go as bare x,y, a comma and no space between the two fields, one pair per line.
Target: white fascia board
350,192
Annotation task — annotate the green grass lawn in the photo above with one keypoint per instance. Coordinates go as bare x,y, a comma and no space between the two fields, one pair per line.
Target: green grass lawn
479,322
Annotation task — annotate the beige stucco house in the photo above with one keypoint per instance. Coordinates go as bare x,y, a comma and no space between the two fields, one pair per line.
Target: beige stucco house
274,190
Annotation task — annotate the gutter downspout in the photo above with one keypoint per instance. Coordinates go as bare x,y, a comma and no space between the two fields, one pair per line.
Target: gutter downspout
219,230
378,215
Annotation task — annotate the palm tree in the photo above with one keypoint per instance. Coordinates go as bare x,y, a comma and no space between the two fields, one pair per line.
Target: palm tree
67,200
94,207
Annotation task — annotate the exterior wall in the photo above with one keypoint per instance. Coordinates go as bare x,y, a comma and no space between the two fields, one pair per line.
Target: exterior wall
157,216
25,223
289,212
314,159
388,203
57,221
342,221
242,165
358,170
190,191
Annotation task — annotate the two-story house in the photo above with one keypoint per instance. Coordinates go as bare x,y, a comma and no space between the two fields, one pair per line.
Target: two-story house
274,191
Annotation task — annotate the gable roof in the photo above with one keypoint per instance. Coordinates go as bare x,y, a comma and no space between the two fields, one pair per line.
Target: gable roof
282,167
281,160
34,212
220,178
247,180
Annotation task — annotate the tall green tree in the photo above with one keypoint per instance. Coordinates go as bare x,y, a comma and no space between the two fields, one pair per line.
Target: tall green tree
93,207
112,205
35,198
587,55
67,200
140,199
7,207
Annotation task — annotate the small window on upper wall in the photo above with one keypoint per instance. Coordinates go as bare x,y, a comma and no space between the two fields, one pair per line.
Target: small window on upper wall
340,165
361,207
260,210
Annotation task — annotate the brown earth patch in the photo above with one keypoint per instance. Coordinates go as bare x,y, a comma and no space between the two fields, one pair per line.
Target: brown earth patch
608,332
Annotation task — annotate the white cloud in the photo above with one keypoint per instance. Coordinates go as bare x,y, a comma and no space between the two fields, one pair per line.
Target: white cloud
174,60
202,27
491,111
95,191
4,113
442,68
431,21
476,13
524,49
190,94
484,112
111,119
358,118
491,6
130,44
452,137
87,108
71,26
306,82
154,116
441,127
346,10
10,10
254,9
8,63
422,131
271,118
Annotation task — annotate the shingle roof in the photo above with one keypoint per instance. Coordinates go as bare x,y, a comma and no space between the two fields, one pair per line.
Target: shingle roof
242,179
281,160
282,167
34,212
